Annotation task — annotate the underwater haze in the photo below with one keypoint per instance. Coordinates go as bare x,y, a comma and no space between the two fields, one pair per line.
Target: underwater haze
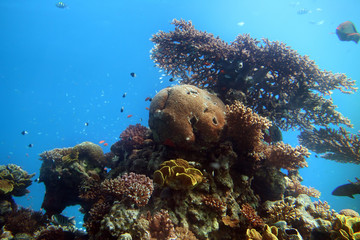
65,72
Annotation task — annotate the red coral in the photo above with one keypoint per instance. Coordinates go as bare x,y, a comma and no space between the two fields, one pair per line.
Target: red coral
25,221
137,187
134,136
161,226
214,203
250,214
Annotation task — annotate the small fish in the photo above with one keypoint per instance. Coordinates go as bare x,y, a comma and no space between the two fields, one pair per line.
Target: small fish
147,108
58,219
129,116
61,5
102,141
105,144
124,95
207,64
122,109
133,74
147,99
30,145
24,132
150,99
86,124
37,180
303,11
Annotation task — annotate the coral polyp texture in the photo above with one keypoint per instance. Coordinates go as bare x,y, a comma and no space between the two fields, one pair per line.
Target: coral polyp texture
267,76
138,188
186,116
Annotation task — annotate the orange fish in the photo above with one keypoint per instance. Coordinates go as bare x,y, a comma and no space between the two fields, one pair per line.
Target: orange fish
102,141
129,116
147,99
207,63
147,108
105,144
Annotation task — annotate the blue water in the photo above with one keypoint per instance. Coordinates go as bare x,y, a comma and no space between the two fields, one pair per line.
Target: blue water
61,68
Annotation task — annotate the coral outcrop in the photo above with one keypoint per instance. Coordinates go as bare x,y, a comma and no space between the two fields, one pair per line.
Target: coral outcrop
63,172
186,116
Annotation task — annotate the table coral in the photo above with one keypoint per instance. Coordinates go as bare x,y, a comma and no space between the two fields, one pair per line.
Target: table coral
186,116
339,145
272,78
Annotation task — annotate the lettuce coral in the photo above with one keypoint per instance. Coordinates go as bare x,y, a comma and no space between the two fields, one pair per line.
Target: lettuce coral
178,174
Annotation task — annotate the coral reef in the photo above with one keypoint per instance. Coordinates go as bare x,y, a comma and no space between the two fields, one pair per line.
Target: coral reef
269,77
186,116
178,174
232,184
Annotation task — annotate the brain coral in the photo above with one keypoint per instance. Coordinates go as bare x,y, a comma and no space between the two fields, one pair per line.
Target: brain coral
186,116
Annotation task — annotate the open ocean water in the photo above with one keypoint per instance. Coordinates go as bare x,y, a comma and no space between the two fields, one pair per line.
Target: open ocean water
63,67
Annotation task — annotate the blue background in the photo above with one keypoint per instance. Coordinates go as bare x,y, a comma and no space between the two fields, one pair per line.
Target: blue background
60,68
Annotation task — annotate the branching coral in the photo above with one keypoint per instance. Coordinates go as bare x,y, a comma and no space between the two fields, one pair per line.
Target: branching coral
25,221
14,180
134,136
274,79
161,226
283,211
338,145
295,188
245,127
136,187
252,217
214,203
284,156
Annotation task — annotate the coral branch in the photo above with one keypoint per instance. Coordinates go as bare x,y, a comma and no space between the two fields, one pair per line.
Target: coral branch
270,77
338,145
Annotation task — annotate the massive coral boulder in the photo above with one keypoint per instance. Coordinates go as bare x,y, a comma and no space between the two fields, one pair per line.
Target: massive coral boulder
186,116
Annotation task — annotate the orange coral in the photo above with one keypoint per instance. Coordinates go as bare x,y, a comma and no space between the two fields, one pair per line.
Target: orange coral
214,203
244,126
250,214
294,186
284,156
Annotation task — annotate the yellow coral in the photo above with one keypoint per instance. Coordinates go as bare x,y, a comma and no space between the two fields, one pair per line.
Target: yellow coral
269,233
346,227
178,174
6,186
